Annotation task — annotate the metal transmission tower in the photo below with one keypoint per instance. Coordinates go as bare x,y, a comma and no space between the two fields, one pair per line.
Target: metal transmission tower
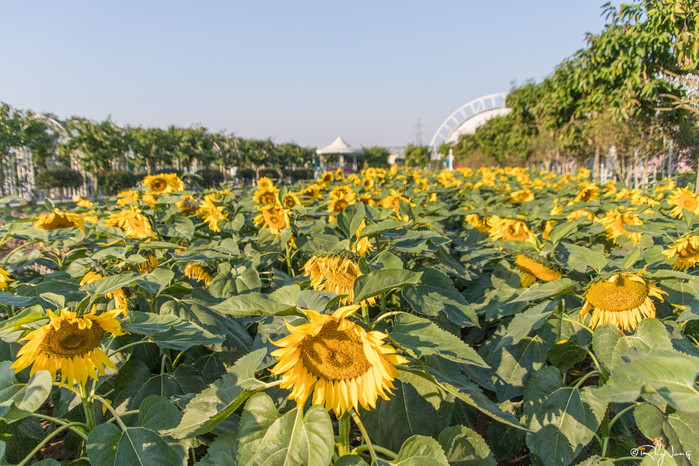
465,120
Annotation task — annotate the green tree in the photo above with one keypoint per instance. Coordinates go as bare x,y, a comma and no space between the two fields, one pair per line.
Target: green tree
417,156
374,156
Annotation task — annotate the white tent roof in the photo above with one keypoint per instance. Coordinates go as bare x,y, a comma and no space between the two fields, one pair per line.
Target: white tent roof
338,146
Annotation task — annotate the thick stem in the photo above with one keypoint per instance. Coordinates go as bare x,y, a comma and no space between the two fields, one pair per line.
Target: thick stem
365,435
343,434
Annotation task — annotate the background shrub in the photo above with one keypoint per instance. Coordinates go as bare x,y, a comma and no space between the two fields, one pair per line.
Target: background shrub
60,177
209,178
113,181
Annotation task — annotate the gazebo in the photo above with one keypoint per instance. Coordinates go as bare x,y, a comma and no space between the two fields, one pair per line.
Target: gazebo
340,147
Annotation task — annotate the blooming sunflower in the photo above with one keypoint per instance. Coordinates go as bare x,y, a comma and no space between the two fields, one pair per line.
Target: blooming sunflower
339,204
290,200
683,198
342,365
477,222
343,192
266,196
132,222
127,197
4,279
589,192
582,213
616,221
58,219
211,212
533,269
197,272
622,300
163,183
274,217
70,344
686,250
334,272
507,229
523,195
265,184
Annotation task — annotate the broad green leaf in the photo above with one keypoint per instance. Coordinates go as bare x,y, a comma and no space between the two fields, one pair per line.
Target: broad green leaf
18,400
668,374
253,304
677,431
424,384
464,447
425,338
221,452
265,437
350,460
349,220
157,413
513,365
11,299
564,229
210,407
419,450
380,227
545,290
382,281
157,280
650,334
108,445
169,331
436,293
604,341
594,259
109,284
631,259
525,322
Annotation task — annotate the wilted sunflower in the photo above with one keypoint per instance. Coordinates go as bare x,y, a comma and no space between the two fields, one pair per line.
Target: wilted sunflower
70,344
622,300
197,272
548,228
507,229
686,250
5,279
616,221
163,183
337,361
362,246
589,192
58,219
119,296
132,222
149,264
274,217
478,222
211,212
533,269
266,196
683,198
334,272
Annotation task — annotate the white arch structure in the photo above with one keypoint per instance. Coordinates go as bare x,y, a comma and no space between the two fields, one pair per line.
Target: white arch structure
468,117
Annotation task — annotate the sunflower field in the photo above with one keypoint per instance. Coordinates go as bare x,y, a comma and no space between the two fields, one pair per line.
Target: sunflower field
498,316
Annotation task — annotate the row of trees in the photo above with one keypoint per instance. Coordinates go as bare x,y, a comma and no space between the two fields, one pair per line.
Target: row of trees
95,147
633,89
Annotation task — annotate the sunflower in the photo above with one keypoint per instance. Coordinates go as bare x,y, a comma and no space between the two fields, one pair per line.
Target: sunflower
188,203
82,202
327,178
339,204
211,212
273,216
70,344
163,183
616,221
266,196
265,184
197,272
149,264
589,192
582,213
118,294
132,222
683,198
58,219
127,197
687,252
334,272
548,228
290,200
523,195
532,269
477,222
343,192
622,300
507,229
362,246
5,278
342,365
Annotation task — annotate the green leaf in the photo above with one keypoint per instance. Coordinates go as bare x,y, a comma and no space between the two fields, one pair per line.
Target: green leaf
253,304
18,400
525,322
668,374
545,290
436,293
419,450
464,447
631,259
382,281
349,220
564,229
604,340
513,364
108,445
424,384
678,431
424,338
157,413
350,460
157,280
169,331
210,407
109,284
290,439
221,452
592,258
650,334
11,299
380,227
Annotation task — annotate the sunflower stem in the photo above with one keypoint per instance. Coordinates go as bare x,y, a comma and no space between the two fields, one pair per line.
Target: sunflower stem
344,431
18,248
111,410
288,261
48,438
384,451
128,345
89,409
365,435
57,420
585,377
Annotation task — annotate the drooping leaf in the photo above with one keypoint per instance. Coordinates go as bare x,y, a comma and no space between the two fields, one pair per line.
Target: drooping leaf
436,293
382,281
421,451
464,446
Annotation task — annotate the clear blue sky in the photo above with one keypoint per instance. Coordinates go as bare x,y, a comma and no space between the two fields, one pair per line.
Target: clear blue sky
302,71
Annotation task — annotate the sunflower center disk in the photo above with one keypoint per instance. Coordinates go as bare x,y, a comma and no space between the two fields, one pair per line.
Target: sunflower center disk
70,340
622,295
334,354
